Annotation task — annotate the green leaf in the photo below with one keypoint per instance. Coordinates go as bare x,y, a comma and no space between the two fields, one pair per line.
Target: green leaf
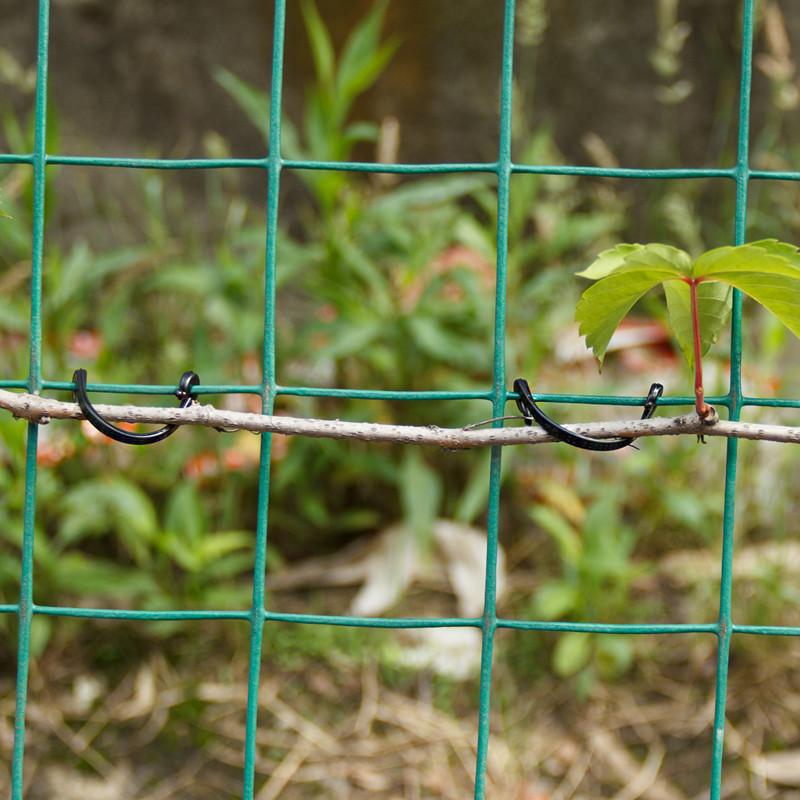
780,294
763,272
641,255
474,497
421,491
84,270
363,57
41,631
221,543
100,506
427,193
767,257
565,536
609,261
13,319
230,566
604,304
210,552
614,656
572,653
351,338
180,551
185,515
360,132
320,40
318,129
255,104
774,247
713,310
357,261
555,599
767,270
437,342
83,575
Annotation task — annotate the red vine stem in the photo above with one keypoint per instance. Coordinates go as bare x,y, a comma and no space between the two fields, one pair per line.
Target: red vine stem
700,404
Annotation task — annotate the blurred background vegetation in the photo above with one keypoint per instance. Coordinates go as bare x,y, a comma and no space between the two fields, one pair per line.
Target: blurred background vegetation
388,284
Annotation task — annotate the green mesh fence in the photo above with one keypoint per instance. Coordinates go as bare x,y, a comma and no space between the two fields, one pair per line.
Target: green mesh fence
257,615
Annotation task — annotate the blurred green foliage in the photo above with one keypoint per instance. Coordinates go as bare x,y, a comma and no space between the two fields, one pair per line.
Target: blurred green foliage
381,285
598,572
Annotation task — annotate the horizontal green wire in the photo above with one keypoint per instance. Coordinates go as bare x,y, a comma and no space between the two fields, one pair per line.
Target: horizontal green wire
138,388
618,400
158,163
769,175
397,169
374,167
379,394
771,402
600,627
385,394
132,614
400,622
373,622
622,172
393,169
767,630
267,616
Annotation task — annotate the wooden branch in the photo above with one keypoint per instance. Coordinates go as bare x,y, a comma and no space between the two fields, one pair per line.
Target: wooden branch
41,410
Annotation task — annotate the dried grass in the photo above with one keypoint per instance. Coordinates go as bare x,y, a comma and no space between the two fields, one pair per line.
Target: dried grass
171,729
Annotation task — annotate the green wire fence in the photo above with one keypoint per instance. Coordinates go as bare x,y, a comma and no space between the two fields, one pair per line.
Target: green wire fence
257,615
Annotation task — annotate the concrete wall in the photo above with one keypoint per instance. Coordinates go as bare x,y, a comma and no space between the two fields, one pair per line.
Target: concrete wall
134,76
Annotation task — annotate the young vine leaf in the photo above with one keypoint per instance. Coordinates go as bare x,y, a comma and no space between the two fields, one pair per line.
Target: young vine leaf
714,301
768,271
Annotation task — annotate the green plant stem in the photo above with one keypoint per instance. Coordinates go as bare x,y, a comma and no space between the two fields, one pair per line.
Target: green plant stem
699,393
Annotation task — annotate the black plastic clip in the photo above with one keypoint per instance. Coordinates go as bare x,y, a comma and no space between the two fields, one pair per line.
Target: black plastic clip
185,393
530,411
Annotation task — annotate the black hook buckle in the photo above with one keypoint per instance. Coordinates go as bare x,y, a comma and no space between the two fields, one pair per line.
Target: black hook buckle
530,411
185,393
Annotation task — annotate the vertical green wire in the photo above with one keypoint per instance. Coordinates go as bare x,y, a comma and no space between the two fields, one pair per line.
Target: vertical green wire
24,613
268,400
725,622
489,624
39,175
25,607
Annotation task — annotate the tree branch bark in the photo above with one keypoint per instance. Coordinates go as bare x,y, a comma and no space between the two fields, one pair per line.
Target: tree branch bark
41,410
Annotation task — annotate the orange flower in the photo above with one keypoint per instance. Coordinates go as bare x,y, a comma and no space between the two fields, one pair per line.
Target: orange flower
85,345
54,449
202,465
94,435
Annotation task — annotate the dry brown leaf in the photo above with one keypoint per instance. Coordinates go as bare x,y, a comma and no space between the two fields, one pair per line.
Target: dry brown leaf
688,567
782,768
627,770
385,565
388,571
463,553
